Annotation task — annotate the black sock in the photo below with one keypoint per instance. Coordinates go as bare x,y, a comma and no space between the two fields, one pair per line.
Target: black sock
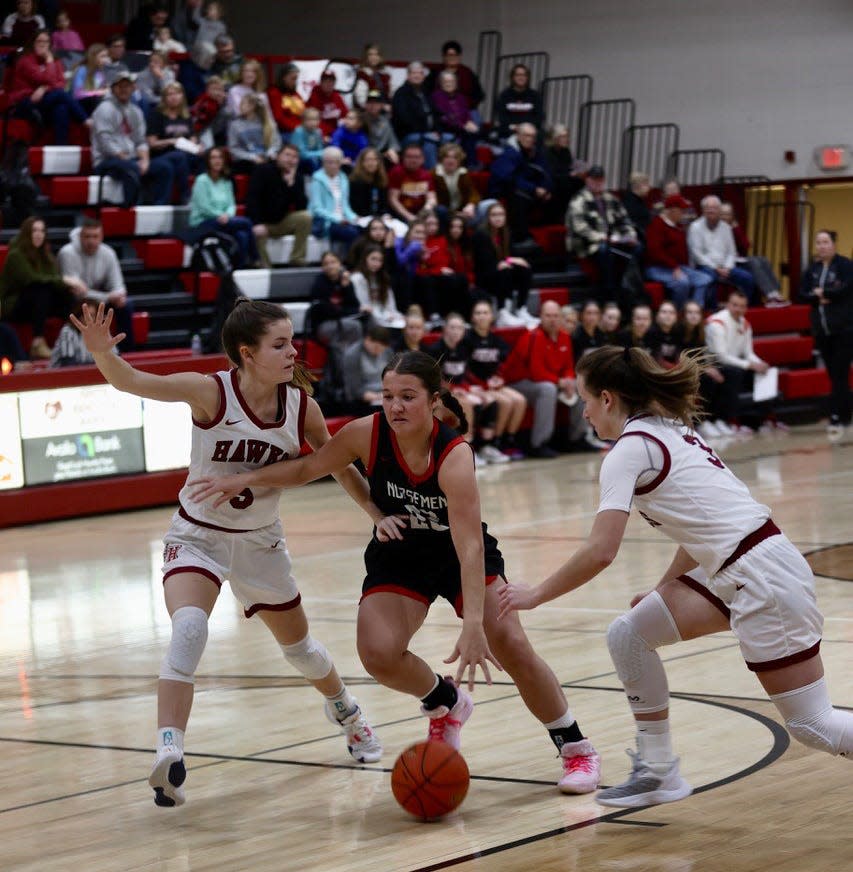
444,693
562,735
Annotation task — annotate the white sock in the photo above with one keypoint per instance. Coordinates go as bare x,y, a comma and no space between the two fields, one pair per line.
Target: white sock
170,736
655,743
562,723
343,703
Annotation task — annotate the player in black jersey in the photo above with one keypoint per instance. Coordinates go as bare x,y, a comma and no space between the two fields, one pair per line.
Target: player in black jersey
431,542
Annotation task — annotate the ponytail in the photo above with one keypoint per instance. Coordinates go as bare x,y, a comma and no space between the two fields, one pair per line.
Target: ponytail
455,408
640,383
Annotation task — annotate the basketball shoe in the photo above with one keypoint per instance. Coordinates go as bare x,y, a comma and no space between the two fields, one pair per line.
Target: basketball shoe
445,724
362,743
581,767
167,777
645,786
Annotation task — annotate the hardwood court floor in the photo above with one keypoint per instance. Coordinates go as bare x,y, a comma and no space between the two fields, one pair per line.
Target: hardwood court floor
270,786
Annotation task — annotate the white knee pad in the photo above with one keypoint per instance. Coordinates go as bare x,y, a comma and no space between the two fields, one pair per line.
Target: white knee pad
189,636
309,657
811,719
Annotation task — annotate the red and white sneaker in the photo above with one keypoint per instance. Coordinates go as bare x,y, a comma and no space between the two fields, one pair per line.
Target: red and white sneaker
362,743
445,724
581,767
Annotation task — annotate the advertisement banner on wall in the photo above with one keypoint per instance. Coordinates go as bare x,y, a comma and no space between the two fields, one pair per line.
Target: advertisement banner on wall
11,461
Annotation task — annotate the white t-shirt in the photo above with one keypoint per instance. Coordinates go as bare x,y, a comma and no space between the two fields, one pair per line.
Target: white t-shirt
679,485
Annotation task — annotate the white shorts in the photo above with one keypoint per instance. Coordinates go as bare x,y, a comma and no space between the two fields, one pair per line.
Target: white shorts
770,593
256,563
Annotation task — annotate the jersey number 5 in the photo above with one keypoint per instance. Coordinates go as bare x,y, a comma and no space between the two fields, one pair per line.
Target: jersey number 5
712,458
243,500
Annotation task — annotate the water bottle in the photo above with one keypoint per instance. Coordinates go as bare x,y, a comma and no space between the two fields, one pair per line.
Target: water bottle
195,344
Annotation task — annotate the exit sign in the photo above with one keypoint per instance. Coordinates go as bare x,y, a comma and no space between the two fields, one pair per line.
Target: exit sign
832,157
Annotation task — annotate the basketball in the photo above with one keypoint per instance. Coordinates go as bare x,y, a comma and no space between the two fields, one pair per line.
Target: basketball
430,779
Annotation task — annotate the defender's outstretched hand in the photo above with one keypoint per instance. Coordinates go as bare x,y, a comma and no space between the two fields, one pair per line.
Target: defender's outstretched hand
516,597
95,329
224,487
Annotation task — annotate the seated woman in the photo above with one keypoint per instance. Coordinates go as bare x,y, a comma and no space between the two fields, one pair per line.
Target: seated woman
664,337
566,173
213,208
454,190
252,137
168,123
711,380
368,185
37,89
252,81
31,287
459,257
518,104
329,202
89,82
373,290
453,115
587,335
498,273
436,286
372,75
285,101
413,331
487,352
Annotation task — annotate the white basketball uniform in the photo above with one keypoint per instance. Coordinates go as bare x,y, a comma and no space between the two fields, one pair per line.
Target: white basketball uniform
241,540
680,486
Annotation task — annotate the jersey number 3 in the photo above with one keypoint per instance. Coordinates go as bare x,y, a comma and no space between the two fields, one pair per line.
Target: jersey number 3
243,500
712,458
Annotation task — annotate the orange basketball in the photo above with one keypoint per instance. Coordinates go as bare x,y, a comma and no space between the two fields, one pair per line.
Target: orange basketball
430,779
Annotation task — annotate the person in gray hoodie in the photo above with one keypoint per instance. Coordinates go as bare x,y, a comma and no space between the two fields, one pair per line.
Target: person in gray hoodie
119,147
88,259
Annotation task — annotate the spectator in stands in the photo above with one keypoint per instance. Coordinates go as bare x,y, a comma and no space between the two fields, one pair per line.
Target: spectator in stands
86,258
518,104
588,335
69,348
601,233
729,338
119,147
334,313
350,137
372,286
611,321
37,89
329,204
454,190
521,178
252,137
486,354
67,43
380,133
566,173
411,188
712,250
408,251
329,103
667,257
164,42
252,81
214,209
368,185
372,77
89,81
285,101
21,26
436,286
693,339
151,83
499,273
467,82
116,50
277,205
665,336
213,48
378,233
31,287
411,339
459,255
186,20
760,267
141,30
827,286
170,135
634,335
412,114
227,61
634,201
541,367
570,318
308,138
210,121
362,369
453,114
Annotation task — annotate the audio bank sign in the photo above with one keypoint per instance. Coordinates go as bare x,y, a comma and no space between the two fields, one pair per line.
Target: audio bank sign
85,432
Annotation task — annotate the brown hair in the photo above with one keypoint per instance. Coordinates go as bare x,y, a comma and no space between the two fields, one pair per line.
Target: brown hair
360,174
383,283
39,258
226,161
503,250
90,62
641,384
248,322
183,109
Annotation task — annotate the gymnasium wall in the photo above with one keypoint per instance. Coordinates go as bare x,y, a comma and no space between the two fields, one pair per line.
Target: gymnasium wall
754,78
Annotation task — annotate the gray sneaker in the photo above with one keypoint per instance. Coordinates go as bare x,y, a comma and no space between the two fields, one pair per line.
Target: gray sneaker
645,787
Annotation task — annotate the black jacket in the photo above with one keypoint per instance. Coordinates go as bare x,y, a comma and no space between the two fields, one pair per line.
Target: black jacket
331,301
836,316
368,199
269,199
518,107
411,111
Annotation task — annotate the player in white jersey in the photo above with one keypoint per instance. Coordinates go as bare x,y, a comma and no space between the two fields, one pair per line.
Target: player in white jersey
733,567
251,416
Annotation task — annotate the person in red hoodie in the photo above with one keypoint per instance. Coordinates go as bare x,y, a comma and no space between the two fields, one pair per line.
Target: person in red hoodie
286,103
329,103
437,287
541,367
38,88
667,258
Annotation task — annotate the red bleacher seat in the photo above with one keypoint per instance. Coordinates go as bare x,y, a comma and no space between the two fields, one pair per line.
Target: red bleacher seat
804,383
207,284
481,182
558,295
55,160
4,251
163,253
551,238
785,319
656,291
485,156
784,350
141,326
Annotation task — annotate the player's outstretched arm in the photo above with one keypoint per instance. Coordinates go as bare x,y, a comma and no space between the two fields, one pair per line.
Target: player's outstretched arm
201,392
595,555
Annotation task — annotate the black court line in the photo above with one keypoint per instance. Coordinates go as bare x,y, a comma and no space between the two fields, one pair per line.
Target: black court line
636,823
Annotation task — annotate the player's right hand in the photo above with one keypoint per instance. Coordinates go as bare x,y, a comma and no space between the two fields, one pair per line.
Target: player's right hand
95,329
391,527
223,487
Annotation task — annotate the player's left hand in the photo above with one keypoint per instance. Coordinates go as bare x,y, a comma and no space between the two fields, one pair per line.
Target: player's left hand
226,486
472,650
515,597
390,527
